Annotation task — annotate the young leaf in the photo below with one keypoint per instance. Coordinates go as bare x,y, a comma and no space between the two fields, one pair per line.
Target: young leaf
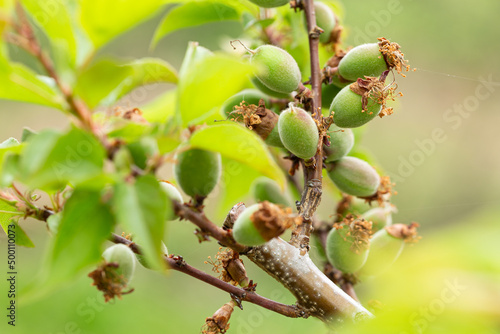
196,96
7,214
161,108
51,160
193,14
105,20
19,83
238,143
120,78
141,209
85,225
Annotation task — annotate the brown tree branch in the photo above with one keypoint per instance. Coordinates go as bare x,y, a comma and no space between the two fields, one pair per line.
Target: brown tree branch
178,264
311,196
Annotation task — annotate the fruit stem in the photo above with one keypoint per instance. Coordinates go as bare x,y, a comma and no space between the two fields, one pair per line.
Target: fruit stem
244,46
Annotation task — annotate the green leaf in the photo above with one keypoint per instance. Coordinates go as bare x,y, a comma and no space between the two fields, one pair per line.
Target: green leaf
105,20
18,83
161,108
236,142
141,209
8,149
196,95
194,55
55,19
51,160
7,214
108,80
193,14
85,225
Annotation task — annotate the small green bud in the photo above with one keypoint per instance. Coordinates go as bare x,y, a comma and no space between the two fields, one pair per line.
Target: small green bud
270,3
260,223
347,244
386,246
197,172
124,257
298,132
248,96
325,19
354,176
277,68
363,60
348,109
341,142
265,189
174,195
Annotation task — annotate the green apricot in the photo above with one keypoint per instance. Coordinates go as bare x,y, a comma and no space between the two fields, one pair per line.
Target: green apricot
270,3
328,93
265,189
384,251
250,96
276,68
274,138
345,250
298,132
380,217
266,90
125,258
244,230
174,195
341,142
197,172
348,109
354,176
142,260
142,150
363,60
325,19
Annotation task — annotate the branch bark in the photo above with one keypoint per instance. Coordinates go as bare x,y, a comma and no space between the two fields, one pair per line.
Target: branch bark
178,264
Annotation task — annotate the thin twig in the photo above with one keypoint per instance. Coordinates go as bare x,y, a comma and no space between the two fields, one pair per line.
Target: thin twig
178,264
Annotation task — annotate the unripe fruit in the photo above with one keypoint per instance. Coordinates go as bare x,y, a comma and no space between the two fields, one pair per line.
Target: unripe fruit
265,189
124,257
197,172
363,60
354,176
341,142
142,150
259,223
328,93
270,3
174,195
298,132
380,217
142,260
276,68
348,109
249,96
325,19
347,245
266,90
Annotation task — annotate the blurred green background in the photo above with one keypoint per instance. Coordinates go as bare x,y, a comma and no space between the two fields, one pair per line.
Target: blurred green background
440,147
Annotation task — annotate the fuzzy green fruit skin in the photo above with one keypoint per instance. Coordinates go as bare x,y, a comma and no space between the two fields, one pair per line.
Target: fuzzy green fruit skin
380,217
250,96
125,258
325,19
341,143
174,195
265,189
354,176
244,231
274,138
340,254
363,60
384,251
277,68
298,132
348,109
328,93
197,171
270,3
264,89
